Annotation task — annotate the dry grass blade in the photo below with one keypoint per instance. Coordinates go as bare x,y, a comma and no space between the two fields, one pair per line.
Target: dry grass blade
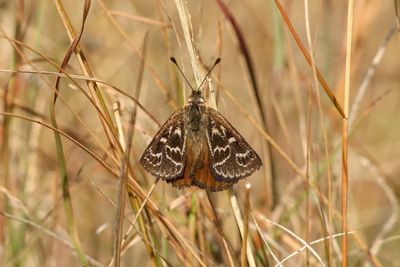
390,222
158,80
65,74
122,189
94,89
245,51
328,242
261,234
280,60
368,76
126,239
139,18
14,200
275,145
132,186
189,38
321,79
174,233
147,231
75,77
142,207
311,243
246,249
268,167
292,234
56,92
61,133
345,129
53,235
68,207
73,45
223,240
121,195
10,92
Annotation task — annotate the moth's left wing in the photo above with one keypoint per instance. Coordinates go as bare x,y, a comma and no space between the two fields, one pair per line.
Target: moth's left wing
232,158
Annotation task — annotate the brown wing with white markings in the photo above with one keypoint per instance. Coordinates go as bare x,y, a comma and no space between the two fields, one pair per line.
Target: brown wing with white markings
165,156
231,157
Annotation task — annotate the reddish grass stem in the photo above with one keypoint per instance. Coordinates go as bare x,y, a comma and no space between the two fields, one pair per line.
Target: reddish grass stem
307,56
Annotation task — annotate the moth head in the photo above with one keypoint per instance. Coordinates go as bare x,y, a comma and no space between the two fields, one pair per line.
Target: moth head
196,96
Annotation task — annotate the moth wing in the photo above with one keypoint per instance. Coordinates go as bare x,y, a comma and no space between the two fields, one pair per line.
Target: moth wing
165,156
232,158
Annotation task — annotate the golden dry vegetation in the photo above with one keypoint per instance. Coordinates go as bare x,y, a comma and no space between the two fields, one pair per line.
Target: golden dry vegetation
72,191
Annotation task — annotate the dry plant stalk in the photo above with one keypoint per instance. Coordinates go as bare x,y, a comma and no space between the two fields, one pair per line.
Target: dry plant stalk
167,227
345,129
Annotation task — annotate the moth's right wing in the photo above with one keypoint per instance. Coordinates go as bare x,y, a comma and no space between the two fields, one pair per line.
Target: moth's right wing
165,156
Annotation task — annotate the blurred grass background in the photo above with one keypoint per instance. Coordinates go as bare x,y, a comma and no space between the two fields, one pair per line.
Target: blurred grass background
120,85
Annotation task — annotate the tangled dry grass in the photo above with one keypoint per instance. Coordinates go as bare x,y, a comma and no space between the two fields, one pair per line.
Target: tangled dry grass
312,85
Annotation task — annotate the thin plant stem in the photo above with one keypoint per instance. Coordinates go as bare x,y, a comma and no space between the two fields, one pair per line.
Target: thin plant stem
345,178
245,247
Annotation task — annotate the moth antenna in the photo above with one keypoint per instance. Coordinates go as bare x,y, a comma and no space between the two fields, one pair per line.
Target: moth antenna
218,60
176,63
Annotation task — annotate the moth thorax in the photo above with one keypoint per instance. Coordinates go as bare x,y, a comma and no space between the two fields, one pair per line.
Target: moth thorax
195,117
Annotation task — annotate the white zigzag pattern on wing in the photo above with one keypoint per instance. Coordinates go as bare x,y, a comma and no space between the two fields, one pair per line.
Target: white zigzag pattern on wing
243,161
177,165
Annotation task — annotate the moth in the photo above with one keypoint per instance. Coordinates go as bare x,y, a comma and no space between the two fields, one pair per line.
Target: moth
197,146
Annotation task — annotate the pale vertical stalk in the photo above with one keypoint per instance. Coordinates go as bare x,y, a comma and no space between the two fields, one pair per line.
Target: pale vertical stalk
349,42
239,221
200,231
344,192
218,225
245,245
121,195
187,29
349,34
326,149
309,117
119,242
189,38
135,204
368,77
307,175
